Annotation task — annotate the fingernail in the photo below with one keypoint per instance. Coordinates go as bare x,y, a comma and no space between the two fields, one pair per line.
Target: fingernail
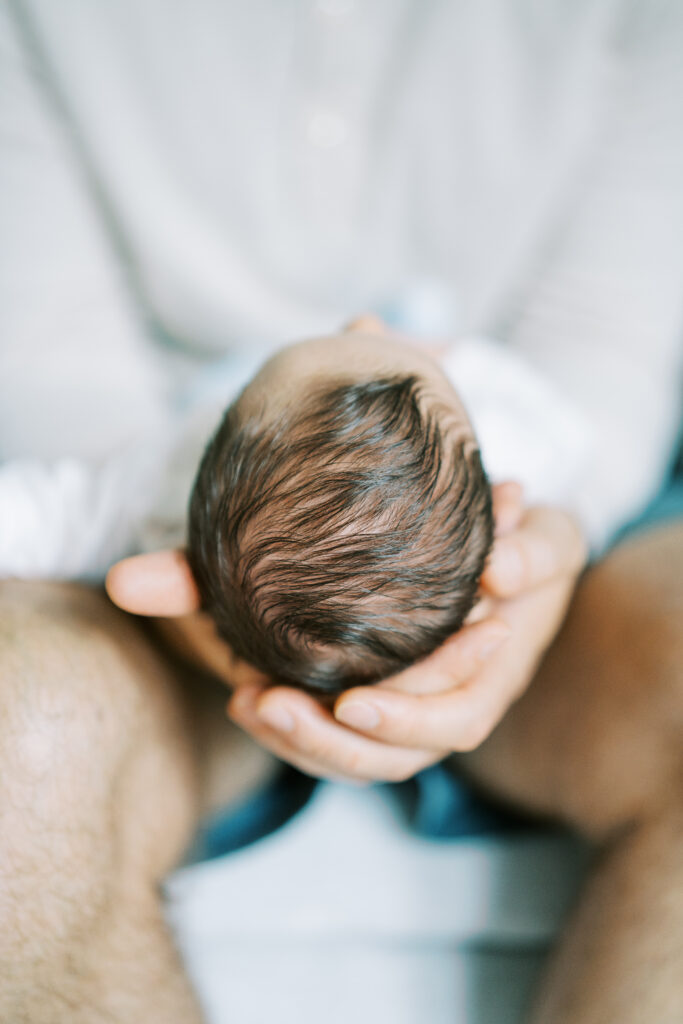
277,717
507,565
358,716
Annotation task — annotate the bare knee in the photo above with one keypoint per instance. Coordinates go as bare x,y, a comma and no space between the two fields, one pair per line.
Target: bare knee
635,600
596,740
90,745
624,639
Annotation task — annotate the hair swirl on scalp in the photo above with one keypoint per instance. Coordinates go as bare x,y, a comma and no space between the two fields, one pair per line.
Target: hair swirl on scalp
344,541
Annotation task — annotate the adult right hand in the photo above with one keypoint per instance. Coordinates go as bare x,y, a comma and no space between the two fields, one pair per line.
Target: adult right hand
450,701
453,699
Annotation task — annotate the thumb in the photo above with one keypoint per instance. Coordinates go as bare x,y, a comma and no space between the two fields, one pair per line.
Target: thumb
159,584
548,543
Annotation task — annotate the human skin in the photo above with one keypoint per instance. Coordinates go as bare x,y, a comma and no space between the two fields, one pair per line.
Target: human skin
110,754
449,702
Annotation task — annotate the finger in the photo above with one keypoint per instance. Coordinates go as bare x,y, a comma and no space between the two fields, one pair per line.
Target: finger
508,506
159,584
306,733
242,711
548,543
457,720
244,674
451,664
461,718
483,609
366,323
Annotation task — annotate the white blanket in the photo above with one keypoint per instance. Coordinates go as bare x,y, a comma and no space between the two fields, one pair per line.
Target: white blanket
72,519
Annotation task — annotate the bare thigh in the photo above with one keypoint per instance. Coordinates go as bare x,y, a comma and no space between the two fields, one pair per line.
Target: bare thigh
89,698
109,754
596,739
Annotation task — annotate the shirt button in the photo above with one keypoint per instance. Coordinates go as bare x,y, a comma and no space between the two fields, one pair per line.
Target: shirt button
326,129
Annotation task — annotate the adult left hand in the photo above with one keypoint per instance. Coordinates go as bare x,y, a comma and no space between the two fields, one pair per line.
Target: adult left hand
450,701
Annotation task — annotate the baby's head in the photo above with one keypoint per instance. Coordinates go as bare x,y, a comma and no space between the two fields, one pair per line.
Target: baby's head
341,517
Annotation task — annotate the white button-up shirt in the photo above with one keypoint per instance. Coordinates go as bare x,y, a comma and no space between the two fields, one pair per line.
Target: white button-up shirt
178,181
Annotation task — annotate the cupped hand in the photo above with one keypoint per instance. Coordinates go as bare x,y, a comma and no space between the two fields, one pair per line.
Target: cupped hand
450,701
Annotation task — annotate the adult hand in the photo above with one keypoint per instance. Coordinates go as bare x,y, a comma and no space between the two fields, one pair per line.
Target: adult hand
160,586
448,702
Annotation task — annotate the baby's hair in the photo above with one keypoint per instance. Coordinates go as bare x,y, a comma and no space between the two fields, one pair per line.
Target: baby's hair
344,541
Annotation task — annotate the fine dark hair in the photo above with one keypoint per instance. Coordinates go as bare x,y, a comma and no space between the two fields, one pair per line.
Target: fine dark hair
344,541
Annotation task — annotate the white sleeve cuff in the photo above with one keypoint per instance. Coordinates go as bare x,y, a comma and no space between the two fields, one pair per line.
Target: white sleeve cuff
527,430
71,519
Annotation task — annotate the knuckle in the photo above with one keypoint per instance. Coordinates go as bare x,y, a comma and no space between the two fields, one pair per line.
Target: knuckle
565,540
411,763
317,749
399,772
355,763
473,734
524,557
468,743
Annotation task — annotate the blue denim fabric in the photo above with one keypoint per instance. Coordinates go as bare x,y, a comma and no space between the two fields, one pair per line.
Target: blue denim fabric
254,817
436,803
